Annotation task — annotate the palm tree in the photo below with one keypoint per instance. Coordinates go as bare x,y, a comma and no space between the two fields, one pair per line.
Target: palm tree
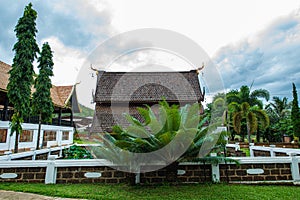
242,95
251,115
280,107
279,113
245,95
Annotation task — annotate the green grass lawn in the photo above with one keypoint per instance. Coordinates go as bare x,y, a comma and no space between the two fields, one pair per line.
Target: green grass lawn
201,191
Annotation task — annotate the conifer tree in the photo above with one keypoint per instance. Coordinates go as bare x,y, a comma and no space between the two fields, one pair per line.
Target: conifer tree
295,115
41,101
21,73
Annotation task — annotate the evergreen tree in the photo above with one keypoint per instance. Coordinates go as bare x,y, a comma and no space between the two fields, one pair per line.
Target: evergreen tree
41,101
295,115
21,74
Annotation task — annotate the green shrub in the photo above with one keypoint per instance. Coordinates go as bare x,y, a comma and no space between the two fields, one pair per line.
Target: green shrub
77,152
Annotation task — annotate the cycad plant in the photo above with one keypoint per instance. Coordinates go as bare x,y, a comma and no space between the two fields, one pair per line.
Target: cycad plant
171,135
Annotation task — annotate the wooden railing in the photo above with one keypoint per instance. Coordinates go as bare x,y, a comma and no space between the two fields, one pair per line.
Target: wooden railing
5,115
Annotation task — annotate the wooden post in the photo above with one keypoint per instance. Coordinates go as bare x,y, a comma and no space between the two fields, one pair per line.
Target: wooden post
5,117
71,117
59,117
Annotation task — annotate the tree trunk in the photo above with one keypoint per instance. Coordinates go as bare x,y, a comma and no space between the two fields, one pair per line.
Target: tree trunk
16,150
39,132
258,134
248,132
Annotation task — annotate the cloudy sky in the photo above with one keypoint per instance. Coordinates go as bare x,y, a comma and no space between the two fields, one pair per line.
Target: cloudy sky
248,41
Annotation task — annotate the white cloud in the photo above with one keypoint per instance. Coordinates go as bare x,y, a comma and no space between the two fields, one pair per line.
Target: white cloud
75,28
67,62
270,58
212,24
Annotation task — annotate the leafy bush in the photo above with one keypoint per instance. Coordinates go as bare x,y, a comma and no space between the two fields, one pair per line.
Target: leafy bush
77,152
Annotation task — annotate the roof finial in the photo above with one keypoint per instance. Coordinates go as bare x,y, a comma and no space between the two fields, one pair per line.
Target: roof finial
94,69
200,68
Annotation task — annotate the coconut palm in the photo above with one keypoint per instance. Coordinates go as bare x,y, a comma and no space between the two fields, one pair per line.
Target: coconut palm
251,115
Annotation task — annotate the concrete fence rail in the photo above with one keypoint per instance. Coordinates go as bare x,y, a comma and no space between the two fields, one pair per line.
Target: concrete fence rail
272,151
41,154
250,170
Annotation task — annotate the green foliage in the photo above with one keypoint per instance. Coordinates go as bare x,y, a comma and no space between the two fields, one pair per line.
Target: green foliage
16,122
41,100
156,133
252,115
77,152
172,128
279,107
295,115
219,108
235,98
21,73
84,111
244,95
280,119
215,160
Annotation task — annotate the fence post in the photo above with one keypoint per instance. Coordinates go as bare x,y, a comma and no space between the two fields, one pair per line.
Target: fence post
237,146
33,153
8,154
272,153
215,170
51,171
61,152
49,152
251,150
295,168
138,176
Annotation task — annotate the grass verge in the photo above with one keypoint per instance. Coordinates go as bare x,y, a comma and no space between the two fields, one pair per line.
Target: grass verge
196,191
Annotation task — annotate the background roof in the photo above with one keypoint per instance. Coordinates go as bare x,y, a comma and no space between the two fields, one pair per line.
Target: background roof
148,87
60,94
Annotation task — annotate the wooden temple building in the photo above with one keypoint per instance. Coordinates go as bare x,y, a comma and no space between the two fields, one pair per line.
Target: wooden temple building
122,92
64,99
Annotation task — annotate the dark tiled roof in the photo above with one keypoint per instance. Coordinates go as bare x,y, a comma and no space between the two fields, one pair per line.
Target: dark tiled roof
148,87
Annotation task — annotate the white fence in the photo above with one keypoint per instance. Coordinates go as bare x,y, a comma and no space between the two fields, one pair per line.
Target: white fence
273,150
9,143
51,166
236,146
33,153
